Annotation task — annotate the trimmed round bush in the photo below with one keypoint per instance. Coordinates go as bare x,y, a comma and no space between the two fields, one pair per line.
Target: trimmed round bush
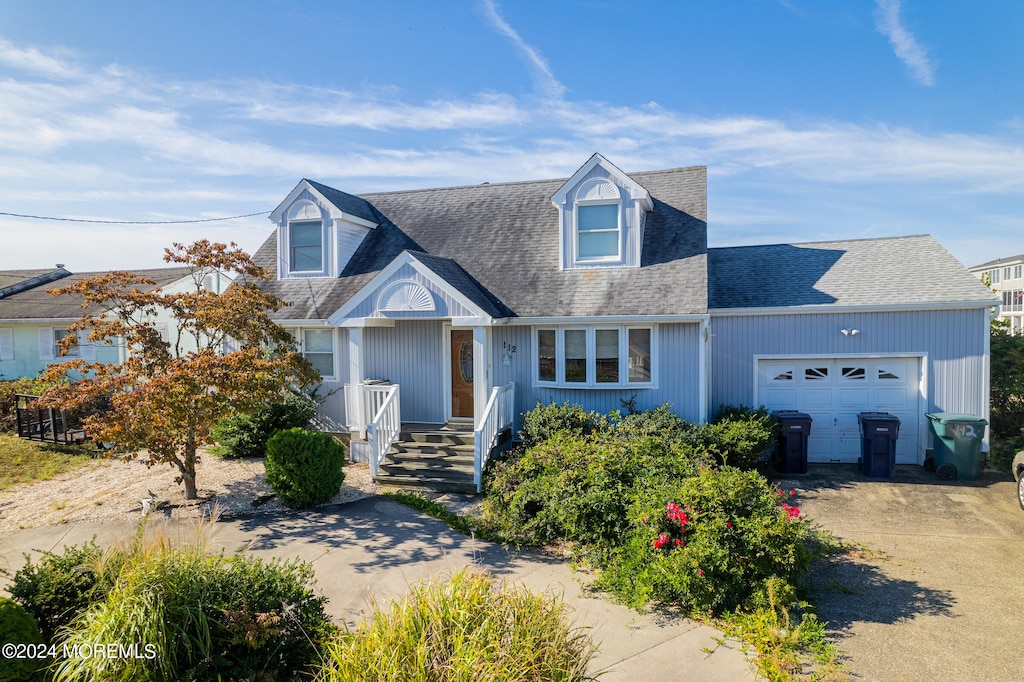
469,627
304,467
17,626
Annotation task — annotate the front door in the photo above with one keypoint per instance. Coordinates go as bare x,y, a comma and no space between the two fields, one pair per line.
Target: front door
462,373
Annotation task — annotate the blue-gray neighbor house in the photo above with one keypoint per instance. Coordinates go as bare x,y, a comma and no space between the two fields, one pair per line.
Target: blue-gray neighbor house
468,305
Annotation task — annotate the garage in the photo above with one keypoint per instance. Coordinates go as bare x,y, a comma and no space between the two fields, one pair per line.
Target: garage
833,390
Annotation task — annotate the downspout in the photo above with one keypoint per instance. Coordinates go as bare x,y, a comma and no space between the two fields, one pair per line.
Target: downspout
704,360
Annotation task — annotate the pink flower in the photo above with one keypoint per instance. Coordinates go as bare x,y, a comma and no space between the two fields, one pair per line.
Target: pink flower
792,493
645,519
661,541
678,543
700,571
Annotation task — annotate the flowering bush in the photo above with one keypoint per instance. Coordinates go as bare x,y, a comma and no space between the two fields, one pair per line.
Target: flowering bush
708,543
578,489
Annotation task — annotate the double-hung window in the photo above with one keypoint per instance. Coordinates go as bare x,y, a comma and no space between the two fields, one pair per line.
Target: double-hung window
318,349
595,357
597,232
306,246
58,350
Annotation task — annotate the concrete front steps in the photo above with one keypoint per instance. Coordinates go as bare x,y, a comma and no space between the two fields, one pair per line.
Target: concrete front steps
432,458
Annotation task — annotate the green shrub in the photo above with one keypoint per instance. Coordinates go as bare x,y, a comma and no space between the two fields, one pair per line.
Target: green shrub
465,628
578,488
711,542
17,626
661,422
544,421
197,616
737,436
304,467
60,586
246,435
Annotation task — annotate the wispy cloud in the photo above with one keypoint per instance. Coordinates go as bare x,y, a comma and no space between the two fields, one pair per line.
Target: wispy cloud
543,76
906,47
33,61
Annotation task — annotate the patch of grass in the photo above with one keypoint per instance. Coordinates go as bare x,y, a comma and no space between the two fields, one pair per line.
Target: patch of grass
467,526
23,462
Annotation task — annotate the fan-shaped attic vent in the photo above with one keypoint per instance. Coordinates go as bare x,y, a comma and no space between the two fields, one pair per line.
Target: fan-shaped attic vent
406,297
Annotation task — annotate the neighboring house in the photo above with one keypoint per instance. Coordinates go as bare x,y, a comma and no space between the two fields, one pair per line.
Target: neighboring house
32,320
600,288
1006,277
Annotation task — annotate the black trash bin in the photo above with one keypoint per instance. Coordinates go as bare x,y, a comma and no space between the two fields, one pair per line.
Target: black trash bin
879,431
790,455
957,452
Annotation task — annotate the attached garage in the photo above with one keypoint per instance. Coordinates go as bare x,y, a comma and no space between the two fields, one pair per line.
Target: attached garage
834,390
836,328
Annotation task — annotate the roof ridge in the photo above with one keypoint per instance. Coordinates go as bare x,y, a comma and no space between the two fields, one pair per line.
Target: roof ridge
823,241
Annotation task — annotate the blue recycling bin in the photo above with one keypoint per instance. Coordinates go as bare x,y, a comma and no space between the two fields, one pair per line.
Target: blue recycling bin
879,431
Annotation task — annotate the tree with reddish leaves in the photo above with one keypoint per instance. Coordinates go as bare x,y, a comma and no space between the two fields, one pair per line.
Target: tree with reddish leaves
221,354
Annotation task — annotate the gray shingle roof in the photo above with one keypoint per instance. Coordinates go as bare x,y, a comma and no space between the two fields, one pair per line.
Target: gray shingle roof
38,303
999,261
505,237
889,271
16,281
347,203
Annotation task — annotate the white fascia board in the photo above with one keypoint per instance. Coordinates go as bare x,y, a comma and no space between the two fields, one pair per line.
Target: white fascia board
603,319
363,322
404,258
39,320
636,190
335,212
291,324
819,309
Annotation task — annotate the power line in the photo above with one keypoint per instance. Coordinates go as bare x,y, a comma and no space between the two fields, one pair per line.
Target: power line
131,222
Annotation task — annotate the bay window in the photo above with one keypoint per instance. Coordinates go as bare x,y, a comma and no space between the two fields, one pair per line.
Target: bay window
597,357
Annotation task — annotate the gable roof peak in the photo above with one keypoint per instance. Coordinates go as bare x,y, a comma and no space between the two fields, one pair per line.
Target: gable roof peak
635,189
340,205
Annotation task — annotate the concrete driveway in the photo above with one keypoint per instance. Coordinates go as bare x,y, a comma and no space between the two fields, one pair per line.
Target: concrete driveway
936,592
376,547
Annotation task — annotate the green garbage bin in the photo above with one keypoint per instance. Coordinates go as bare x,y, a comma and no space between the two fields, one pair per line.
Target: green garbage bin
957,451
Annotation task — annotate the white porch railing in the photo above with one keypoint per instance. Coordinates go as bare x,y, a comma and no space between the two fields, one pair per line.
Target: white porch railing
497,417
362,403
383,428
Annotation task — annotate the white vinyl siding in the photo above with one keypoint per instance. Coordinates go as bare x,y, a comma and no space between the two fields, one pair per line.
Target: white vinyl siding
594,357
6,344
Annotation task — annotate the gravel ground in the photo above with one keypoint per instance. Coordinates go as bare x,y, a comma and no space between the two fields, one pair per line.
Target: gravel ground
113,490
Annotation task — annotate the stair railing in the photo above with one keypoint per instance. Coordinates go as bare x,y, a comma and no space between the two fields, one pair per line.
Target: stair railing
497,417
383,429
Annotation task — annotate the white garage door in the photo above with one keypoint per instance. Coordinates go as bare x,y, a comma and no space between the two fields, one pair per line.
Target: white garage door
834,390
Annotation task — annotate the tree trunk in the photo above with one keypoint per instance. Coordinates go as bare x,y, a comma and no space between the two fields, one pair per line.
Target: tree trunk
188,475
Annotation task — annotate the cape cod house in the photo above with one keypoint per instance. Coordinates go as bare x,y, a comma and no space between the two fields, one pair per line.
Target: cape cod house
468,305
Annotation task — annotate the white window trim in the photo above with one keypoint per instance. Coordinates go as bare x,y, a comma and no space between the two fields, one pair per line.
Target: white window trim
299,333
583,260
591,356
323,247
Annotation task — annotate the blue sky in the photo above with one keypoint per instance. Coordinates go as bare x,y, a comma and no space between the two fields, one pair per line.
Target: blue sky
817,119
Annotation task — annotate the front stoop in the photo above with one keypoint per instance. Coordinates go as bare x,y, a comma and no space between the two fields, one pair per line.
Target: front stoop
435,459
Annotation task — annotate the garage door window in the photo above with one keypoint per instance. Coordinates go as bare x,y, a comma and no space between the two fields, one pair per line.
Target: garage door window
854,373
815,373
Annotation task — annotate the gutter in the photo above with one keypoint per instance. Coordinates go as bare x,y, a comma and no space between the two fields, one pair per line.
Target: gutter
877,308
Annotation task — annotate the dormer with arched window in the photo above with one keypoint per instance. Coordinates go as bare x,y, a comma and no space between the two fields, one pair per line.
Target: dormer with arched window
319,228
602,212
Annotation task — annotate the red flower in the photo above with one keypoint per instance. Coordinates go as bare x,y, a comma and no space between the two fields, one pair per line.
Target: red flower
728,524
661,541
